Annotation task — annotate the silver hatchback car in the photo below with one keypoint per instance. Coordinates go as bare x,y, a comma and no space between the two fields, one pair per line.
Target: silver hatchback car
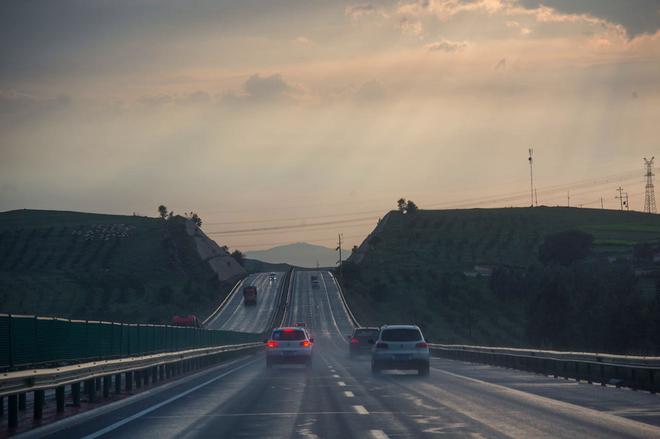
289,345
400,347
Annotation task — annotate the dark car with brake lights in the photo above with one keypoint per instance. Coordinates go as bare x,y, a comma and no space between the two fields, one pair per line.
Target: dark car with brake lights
361,341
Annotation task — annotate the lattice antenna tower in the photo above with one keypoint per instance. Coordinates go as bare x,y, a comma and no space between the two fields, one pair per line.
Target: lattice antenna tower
649,196
531,175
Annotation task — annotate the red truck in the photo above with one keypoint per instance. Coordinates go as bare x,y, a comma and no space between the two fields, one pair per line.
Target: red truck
250,295
190,321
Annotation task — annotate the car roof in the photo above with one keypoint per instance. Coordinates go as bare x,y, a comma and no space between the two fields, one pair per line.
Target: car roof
370,328
400,327
295,328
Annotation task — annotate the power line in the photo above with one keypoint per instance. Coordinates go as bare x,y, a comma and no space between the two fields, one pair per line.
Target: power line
287,227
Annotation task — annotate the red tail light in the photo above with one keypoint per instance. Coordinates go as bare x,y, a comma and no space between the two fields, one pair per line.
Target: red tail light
272,344
354,340
381,345
422,345
305,343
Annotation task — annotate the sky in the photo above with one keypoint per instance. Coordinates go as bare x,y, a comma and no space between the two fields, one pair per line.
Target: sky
285,121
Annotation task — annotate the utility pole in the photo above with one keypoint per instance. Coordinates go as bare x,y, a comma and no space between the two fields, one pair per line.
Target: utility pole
339,250
536,198
649,195
568,195
601,203
531,175
620,197
625,202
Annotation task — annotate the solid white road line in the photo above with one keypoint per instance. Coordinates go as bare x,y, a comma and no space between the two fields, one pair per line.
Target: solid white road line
341,383
360,409
349,394
378,434
140,414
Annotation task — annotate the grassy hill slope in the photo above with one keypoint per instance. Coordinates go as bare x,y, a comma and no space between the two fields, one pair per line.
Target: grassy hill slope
420,267
96,266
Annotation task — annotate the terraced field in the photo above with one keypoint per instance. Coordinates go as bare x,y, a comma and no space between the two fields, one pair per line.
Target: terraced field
101,266
425,266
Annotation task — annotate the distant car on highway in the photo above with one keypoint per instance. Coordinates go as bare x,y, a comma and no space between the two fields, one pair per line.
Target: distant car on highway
250,295
289,345
400,347
361,341
272,277
315,281
190,321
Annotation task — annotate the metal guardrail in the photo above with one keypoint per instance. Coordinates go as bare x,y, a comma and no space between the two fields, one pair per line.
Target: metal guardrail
283,298
354,321
108,376
224,302
641,373
635,372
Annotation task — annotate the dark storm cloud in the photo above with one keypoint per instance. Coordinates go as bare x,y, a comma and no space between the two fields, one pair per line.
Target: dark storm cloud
637,16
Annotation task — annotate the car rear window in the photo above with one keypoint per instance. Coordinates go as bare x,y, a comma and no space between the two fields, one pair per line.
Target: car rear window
366,334
288,335
401,335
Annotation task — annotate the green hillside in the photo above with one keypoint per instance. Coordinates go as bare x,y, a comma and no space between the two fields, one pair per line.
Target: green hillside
94,266
427,266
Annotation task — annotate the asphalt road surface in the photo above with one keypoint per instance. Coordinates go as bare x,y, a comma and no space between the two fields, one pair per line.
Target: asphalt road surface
235,316
339,398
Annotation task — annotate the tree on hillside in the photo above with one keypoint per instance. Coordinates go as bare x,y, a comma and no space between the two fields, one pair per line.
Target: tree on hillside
196,219
162,211
411,207
401,205
565,248
238,256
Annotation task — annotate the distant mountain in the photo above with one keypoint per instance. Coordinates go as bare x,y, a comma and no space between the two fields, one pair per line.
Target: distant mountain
300,254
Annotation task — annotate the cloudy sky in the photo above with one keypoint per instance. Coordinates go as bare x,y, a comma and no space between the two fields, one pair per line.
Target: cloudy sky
262,114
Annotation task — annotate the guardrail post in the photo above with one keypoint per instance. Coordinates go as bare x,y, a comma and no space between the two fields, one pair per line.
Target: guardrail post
75,394
616,375
651,383
22,401
2,406
602,376
39,397
129,381
12,411
633,379
59,399
107,382
91,389
117,383
589,381
161,370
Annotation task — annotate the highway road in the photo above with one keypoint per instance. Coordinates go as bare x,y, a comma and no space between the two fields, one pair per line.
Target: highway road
339,398
235,316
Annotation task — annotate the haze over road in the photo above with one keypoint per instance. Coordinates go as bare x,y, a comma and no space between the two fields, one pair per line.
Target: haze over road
339,398
235,316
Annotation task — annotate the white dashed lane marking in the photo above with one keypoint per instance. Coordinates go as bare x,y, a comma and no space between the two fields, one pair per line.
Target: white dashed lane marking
360,409
378,434
348,394
341,383
335,376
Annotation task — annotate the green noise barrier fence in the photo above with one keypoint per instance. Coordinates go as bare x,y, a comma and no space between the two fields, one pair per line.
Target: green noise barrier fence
32,340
